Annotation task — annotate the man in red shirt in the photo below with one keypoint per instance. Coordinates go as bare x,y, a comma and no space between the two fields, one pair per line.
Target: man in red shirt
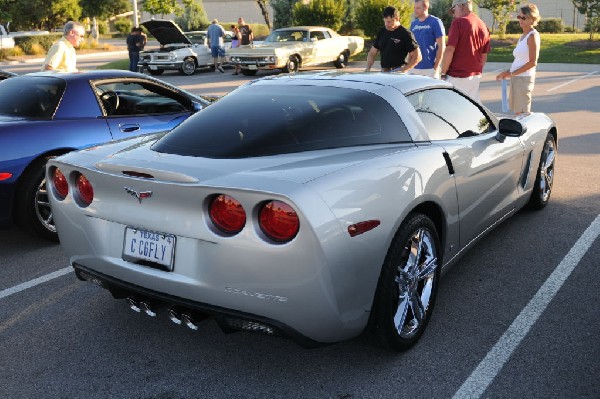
466,50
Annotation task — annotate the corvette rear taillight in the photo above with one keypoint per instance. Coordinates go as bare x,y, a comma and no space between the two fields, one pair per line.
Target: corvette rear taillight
85,191
61,186
278,221
227,214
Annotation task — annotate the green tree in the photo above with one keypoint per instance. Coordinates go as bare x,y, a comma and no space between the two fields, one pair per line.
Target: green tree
194,17
329,13
370,20
162,7
282,10
40,14
440,8
501,11
591,10
103,9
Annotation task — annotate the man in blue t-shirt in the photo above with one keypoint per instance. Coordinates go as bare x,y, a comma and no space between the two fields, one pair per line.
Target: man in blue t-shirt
215,34
429,32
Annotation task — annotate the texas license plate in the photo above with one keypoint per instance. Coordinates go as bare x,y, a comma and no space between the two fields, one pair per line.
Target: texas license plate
150,246
153,67
252,67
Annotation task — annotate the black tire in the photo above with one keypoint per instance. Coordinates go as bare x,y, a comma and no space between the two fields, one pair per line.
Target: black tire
292,65
156,72
249,72
544,178
411,270
342,60
188,67
33,213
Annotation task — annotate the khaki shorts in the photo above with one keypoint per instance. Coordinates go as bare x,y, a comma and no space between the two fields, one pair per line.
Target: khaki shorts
519,98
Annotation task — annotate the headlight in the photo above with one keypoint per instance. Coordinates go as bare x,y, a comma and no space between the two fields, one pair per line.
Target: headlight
272,58
172,57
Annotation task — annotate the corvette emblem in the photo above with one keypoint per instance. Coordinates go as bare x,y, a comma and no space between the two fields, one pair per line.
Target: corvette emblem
139,195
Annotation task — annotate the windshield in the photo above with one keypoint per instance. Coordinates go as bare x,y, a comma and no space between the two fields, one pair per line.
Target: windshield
31,97
261,120
287,36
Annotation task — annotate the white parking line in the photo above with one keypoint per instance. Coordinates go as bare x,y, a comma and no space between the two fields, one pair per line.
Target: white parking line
571,81
34,282
491,365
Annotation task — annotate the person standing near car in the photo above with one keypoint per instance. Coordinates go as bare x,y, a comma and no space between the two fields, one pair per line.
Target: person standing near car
246,32
526,53
236,40
136,40
215,34
430,34
62,56
466,50
399,49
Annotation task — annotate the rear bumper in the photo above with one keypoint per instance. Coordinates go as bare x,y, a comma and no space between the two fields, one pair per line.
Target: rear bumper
229,320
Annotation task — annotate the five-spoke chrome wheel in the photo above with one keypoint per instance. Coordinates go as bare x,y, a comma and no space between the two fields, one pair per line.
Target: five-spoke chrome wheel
544,180
408,284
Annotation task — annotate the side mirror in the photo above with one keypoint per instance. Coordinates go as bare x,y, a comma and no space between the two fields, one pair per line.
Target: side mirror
509,128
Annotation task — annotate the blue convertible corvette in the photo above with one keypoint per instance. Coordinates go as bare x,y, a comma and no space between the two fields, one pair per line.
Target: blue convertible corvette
44,115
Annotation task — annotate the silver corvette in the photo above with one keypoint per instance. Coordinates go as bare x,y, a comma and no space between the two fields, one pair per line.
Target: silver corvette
317,206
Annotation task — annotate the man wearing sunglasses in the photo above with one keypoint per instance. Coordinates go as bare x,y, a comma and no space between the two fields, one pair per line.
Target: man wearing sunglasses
466,50
62,57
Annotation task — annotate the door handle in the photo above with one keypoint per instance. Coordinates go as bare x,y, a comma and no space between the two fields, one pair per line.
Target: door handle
129,127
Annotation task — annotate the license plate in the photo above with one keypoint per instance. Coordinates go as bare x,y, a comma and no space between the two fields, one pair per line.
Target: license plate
153,67
149,246
252,67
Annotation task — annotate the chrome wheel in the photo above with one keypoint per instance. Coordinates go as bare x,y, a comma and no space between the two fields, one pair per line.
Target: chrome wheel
292,65
188,67
408,284
542,188
415,281
42,208
546,174
341,61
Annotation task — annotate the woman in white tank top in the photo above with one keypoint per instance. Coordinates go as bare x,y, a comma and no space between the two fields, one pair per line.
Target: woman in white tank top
526,53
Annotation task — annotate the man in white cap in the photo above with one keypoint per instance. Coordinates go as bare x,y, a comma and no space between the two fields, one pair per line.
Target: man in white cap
466,50
215,34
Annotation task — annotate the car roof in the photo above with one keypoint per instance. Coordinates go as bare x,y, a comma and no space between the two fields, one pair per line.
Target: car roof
92,74
304,27
404,82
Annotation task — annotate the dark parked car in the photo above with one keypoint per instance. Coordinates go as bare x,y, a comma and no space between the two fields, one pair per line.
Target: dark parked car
6,75
49,114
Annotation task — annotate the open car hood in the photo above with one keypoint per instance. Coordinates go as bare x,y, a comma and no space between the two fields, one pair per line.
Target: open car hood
166,31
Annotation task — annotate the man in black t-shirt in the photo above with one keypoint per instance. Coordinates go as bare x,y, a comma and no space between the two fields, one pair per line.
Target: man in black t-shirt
395,43
246,32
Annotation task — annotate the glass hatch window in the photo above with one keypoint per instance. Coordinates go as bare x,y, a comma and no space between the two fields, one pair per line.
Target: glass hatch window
31,97
268,120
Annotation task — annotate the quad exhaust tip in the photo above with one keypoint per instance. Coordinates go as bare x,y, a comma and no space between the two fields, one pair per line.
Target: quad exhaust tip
141,305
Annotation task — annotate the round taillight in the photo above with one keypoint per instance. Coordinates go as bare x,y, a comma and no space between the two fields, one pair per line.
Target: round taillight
85,190
227,214
279,221
61,186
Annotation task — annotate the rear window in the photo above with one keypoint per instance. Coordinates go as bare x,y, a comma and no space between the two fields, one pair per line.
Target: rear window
268,120
31,97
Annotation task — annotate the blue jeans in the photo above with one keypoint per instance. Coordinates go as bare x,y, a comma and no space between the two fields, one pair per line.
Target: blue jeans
134,57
